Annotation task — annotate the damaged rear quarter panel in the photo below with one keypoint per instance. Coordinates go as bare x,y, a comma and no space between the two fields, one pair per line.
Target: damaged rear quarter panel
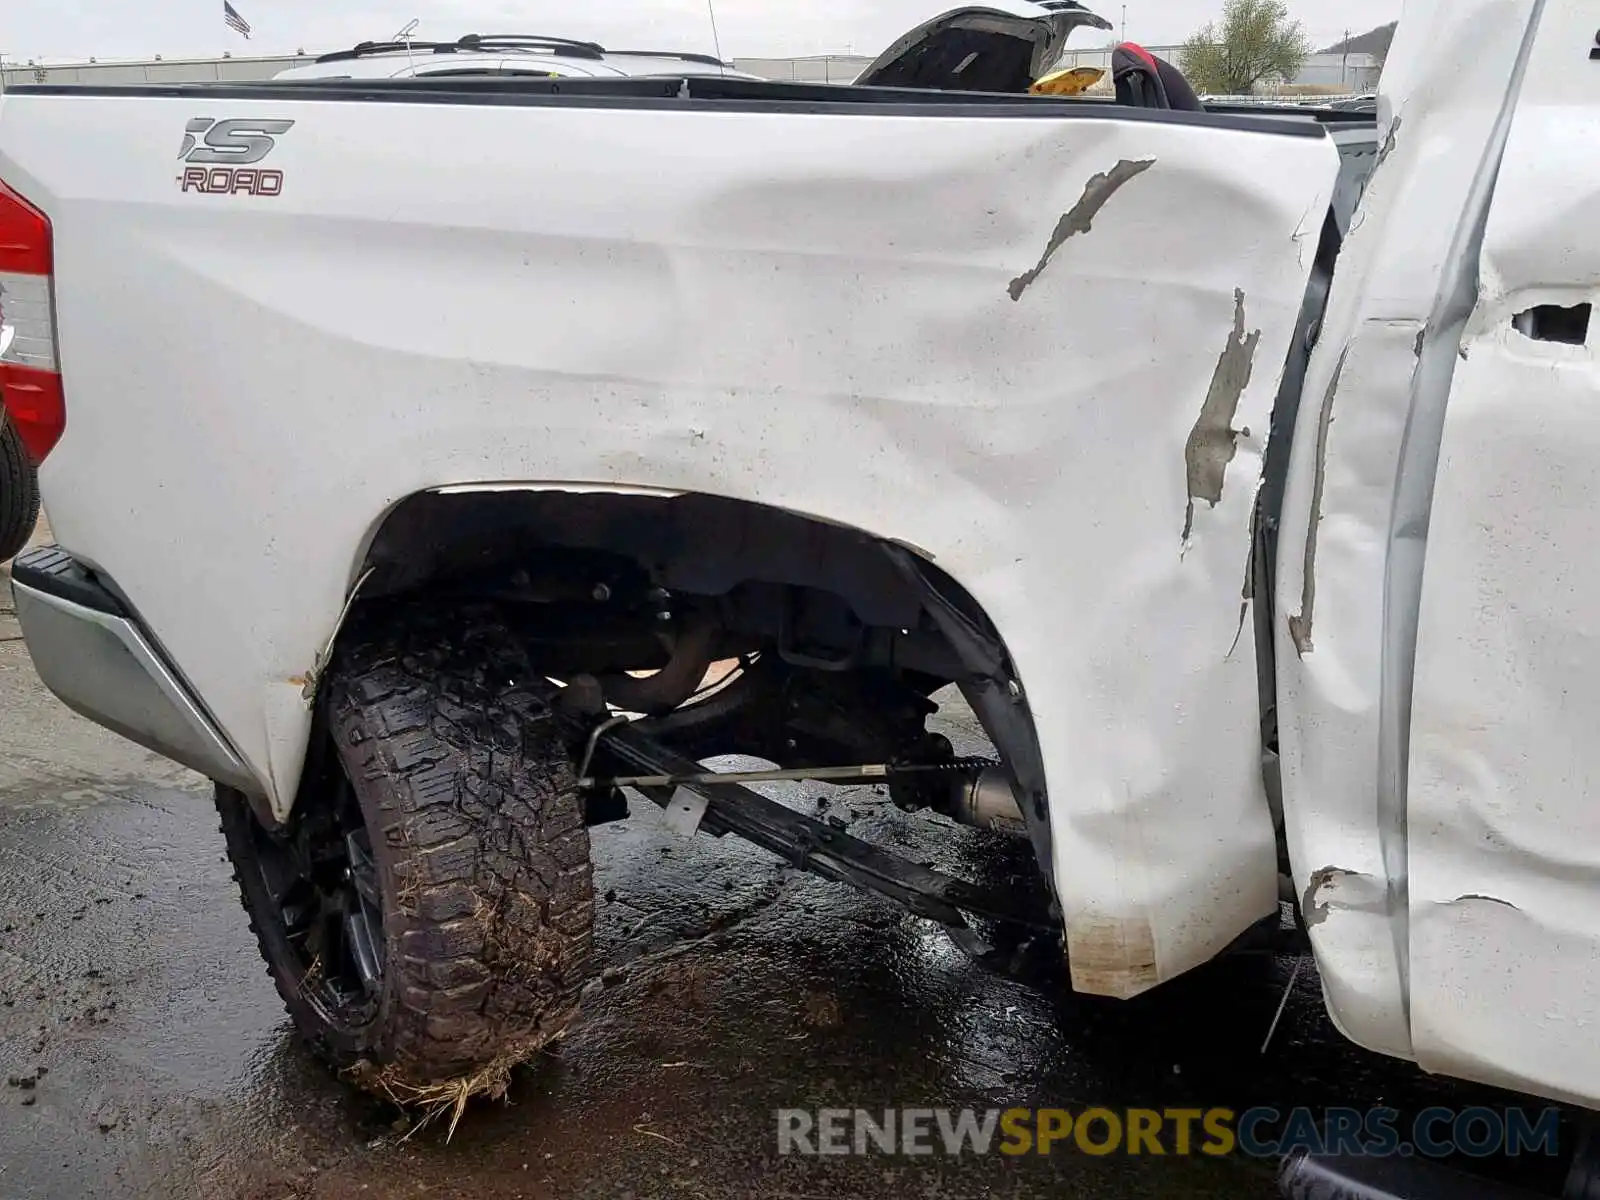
826,327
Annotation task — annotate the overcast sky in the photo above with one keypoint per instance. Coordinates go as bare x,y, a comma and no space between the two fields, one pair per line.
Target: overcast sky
76,29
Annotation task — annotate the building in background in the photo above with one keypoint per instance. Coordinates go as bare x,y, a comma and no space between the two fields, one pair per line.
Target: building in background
1366,52
156,70
1346,73
819,68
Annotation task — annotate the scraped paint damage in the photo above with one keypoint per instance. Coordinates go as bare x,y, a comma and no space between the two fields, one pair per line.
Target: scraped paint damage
1112,957
1333,888
1213,441
1300,626
1388,143
1313,912
1080,218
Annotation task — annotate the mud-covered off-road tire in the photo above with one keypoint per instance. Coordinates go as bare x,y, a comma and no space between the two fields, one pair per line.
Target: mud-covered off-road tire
19,492
446,735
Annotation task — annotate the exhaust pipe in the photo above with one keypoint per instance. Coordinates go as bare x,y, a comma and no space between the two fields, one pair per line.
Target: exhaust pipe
989,802
1306,1176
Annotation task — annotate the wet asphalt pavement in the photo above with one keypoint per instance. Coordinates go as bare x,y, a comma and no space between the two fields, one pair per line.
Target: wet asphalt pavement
150,1057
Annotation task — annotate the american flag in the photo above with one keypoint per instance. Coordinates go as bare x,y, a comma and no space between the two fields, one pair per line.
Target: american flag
234,20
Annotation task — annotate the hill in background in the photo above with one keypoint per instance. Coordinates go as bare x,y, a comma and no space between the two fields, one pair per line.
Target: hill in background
1374,41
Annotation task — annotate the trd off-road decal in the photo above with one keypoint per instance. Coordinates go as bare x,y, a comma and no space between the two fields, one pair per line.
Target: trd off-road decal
229,151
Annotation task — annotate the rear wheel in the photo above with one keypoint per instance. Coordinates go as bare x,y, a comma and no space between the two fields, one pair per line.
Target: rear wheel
428,913
19,492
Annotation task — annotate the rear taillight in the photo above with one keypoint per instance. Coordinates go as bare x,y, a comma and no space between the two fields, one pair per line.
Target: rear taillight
30,376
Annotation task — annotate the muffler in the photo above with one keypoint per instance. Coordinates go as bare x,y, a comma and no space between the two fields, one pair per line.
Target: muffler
1306,1176
988,801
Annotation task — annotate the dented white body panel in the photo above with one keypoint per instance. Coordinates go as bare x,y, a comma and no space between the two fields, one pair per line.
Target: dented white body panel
1043,351
1505,765
1442,91
1436,589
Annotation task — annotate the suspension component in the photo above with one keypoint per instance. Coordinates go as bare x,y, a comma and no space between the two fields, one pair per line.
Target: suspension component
802,841
980,793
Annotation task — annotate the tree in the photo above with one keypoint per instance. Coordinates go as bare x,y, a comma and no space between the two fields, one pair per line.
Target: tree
1255,41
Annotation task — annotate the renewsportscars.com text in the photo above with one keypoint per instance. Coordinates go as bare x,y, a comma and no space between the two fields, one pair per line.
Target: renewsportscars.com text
1214,1132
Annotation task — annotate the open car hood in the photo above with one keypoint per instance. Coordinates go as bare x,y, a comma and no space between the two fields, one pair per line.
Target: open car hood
1002,46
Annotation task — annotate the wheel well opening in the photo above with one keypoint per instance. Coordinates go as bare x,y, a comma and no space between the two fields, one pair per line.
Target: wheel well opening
828,641
824,596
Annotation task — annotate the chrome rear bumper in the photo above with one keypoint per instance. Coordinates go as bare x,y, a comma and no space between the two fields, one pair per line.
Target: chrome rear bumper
90,650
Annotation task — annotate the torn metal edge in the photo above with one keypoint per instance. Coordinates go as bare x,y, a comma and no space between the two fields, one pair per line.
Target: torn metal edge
309,681
1080,218
1300,625
1213,442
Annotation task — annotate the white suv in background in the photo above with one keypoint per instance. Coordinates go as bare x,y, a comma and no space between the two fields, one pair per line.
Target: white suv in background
522,55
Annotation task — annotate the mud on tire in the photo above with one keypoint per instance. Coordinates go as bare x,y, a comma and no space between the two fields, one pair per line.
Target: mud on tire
445,735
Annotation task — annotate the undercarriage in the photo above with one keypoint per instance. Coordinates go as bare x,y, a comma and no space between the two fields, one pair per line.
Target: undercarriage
729,629
514,666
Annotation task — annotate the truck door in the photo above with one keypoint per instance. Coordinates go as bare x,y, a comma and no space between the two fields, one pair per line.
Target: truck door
1504,827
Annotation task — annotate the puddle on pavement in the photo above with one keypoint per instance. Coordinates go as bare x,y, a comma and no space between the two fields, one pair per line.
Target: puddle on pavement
736,987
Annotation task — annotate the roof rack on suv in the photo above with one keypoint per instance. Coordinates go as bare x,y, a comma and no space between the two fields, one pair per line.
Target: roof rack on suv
362,49
707,59
532,41
473,42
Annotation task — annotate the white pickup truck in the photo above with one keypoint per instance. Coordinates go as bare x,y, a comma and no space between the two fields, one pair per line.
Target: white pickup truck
405,438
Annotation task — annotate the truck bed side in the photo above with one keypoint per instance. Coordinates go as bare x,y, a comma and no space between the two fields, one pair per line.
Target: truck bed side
1038,343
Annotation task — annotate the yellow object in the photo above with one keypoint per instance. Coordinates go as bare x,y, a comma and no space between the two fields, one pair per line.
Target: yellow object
1069,82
